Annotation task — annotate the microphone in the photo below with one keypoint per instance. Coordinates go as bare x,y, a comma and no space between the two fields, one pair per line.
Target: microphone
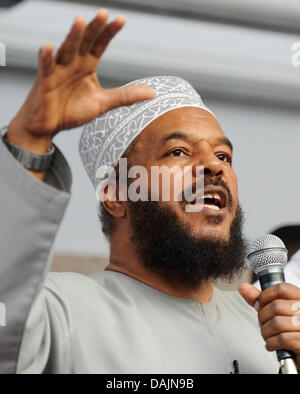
267,258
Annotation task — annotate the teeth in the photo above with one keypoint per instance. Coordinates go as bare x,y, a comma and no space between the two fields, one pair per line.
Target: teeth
214,195
212,207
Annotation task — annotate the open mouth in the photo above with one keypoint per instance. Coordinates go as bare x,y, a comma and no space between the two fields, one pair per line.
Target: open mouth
215,200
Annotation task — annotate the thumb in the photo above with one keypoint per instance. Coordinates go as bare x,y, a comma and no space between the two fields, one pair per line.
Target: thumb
250,294
126,95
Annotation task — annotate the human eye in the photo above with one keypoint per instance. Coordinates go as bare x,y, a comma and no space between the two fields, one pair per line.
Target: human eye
176,152
225,157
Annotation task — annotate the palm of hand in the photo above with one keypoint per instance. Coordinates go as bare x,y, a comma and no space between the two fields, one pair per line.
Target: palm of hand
67,92
73,97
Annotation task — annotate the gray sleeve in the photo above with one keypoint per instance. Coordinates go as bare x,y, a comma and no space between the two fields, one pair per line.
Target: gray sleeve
30,214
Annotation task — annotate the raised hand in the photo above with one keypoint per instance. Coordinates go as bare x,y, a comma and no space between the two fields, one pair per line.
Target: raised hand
67,92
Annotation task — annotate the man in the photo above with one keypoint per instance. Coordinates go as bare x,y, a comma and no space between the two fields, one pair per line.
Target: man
155,308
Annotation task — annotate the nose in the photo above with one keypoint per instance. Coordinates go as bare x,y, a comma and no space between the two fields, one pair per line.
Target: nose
209,170
211,165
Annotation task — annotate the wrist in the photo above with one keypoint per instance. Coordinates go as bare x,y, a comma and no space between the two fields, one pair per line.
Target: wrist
18,135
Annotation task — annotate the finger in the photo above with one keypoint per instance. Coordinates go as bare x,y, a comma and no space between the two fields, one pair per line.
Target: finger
278,324
69,49
107,35
284,340
278,308
92,32
46,60
250,294
126,95
285,291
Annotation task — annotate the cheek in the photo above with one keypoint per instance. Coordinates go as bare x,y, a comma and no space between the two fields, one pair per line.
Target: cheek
234,189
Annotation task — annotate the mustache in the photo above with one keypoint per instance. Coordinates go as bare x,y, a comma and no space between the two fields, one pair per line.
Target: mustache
208,181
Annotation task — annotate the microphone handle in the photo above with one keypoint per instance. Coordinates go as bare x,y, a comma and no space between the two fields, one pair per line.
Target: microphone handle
269,277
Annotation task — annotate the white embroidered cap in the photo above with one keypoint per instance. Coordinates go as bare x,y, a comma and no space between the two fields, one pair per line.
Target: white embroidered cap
105,139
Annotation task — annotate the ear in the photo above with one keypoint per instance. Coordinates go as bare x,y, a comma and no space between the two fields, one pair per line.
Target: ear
115,208
111,202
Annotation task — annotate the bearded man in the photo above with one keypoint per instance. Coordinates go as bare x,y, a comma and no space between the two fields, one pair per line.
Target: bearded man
155,309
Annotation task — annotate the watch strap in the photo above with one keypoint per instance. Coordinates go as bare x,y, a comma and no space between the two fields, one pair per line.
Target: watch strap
30,160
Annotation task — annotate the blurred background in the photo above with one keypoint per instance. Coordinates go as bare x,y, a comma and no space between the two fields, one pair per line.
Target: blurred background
237,54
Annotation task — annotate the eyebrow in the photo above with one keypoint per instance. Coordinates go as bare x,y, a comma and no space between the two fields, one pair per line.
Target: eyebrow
180,135
175,135
226,141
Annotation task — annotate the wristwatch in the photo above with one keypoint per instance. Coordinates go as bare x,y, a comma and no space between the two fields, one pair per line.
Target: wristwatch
30,160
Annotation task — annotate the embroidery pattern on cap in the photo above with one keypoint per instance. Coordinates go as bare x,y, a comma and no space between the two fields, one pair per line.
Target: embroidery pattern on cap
105,139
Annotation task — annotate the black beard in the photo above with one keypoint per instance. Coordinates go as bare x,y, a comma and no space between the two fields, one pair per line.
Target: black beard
167,246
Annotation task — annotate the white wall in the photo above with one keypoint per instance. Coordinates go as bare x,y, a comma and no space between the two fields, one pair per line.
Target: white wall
266,150
266,159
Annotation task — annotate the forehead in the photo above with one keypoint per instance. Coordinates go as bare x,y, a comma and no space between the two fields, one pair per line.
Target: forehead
196,123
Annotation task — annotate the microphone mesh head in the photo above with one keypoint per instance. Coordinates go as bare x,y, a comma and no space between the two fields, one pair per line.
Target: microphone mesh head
267,251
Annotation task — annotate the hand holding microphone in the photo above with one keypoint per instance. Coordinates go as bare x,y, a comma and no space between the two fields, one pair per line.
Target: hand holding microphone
276,303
